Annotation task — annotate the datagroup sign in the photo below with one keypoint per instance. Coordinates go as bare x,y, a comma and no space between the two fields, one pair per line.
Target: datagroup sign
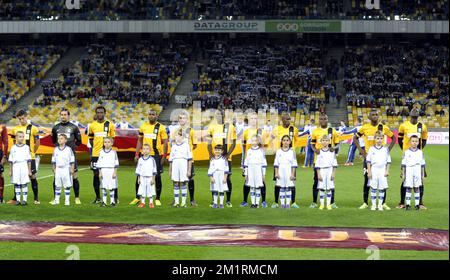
228,26
303,26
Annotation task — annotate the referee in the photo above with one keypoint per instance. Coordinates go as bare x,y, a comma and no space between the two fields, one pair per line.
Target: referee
73,141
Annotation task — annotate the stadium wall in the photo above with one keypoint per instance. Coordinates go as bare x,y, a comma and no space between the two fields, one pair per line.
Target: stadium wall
224,26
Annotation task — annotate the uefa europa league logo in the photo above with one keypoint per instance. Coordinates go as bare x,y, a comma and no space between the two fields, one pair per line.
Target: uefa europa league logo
73,4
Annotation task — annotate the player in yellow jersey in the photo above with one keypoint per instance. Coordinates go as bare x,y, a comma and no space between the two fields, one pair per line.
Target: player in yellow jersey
368,131
32,140
188,132
286,128
252,130
405,131
223,133
98,130
316,146
154,134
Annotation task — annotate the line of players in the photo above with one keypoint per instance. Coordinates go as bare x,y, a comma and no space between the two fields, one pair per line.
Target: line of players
221,140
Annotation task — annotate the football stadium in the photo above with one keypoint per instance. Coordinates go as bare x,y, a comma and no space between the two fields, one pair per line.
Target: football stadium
224,130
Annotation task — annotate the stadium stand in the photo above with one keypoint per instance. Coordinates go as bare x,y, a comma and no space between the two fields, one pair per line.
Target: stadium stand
396,78
222,9
21,67
261,76
126,79
400,10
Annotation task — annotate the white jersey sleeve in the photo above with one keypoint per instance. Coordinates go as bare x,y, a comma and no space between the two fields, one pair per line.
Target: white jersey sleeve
264,162
116,160
211,167
276,162
404,159
138,167
188,151
12,154
294,160
154,169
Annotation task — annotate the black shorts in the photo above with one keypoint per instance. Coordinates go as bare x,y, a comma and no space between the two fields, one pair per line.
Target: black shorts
192,171
159,167
33,166
94,163
75,166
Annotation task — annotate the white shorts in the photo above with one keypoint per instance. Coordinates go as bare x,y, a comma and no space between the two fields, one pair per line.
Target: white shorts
285,177
179,170
20,174
146,189
413,177
378,181
219,185
63,178
108,182
326,183
254,176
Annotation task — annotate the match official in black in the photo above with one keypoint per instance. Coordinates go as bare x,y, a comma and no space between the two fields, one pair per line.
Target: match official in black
73,141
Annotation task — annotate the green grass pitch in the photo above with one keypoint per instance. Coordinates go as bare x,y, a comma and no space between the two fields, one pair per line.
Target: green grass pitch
348,197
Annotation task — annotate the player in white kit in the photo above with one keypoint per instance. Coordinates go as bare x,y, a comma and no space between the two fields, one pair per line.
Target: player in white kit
218,172
146,170
285,165
63,162
180,160
326,170
378,161
20,168
107,163
413,171
255,165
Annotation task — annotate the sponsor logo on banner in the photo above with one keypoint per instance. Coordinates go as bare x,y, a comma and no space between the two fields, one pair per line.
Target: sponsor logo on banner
438,138
303,26
238,26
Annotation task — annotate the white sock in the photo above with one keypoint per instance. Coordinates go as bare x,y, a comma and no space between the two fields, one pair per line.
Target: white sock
57,194
215,198
322,197
258,195
374,197
416,196
283,196
143,199
381,197
111,196
288,197
328,197
67,195
150,199
105,196
408,196
176,194
221,196
24,192
253,196
183,193
18,191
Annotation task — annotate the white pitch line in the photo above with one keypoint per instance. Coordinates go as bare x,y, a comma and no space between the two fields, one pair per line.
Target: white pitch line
52,175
